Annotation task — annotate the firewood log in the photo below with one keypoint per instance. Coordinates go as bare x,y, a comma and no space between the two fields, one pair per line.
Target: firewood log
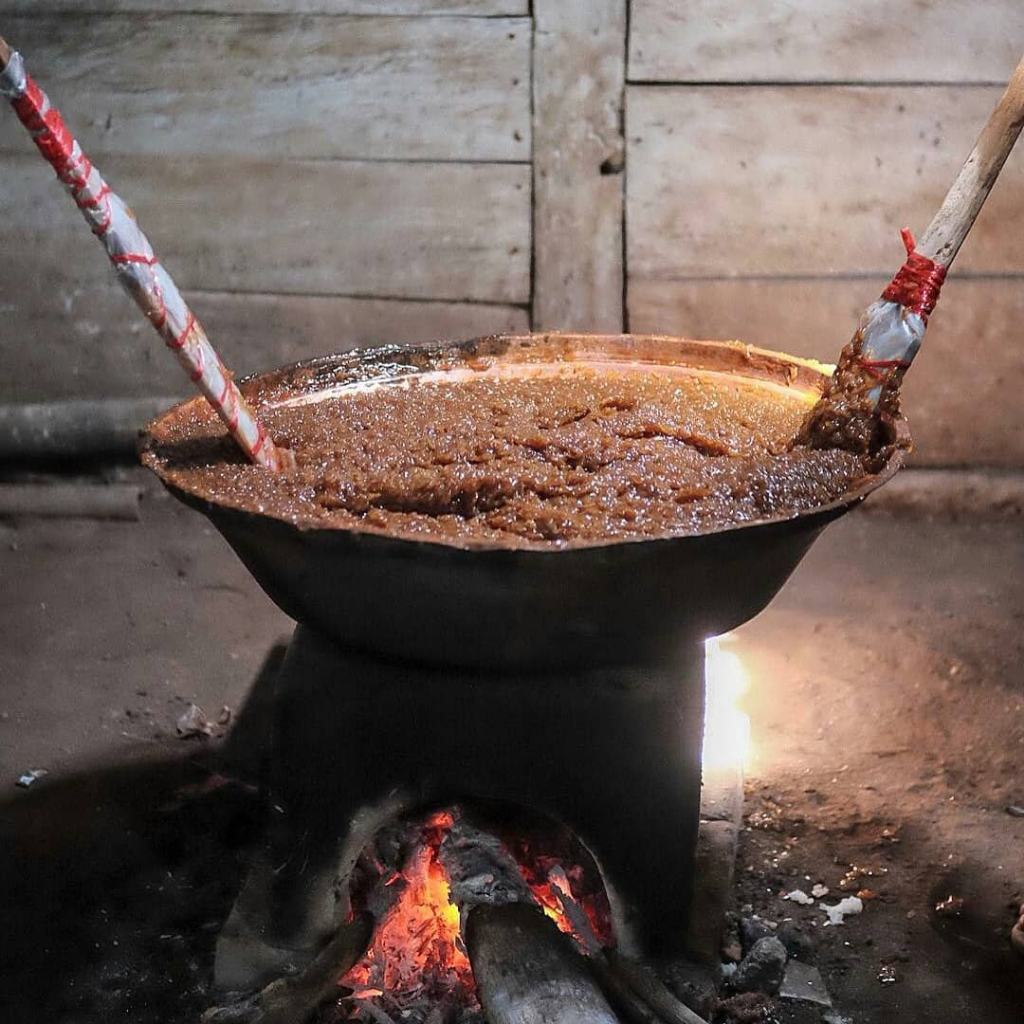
527,971
650,990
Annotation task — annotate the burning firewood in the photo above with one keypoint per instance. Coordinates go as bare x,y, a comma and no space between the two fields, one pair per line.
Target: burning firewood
527,971
457,915
505,931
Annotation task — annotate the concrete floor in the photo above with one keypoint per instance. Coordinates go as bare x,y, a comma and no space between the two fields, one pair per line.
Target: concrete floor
887,708
110,630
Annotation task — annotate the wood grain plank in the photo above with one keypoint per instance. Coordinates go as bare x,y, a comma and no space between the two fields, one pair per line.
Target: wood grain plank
825,40
962,395
579,67
430,231
472,8
804,180
70,343
303,87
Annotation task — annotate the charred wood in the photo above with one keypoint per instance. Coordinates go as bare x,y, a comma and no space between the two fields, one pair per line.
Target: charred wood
480,869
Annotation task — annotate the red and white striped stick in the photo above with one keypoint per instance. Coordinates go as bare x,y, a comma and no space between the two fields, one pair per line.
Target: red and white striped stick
141,273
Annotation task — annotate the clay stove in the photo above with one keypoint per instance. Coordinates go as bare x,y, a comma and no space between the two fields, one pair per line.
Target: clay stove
570,682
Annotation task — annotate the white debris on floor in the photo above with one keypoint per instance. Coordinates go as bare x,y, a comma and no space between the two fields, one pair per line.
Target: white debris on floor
838,912
26,779
193,722
799,896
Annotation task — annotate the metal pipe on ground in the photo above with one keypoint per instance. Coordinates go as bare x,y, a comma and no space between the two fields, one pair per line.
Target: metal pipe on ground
70,501
78,428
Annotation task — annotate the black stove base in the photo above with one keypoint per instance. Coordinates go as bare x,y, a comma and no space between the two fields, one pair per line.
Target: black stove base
613,754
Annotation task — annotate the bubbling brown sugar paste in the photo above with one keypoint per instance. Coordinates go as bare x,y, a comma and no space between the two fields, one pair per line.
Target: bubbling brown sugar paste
572,456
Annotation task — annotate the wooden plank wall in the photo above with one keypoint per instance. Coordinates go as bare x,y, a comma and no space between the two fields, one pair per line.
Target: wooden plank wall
579,160
478,8
320,174
313,181
773,151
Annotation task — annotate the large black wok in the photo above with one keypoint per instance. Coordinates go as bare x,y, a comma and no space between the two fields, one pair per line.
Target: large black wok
623,602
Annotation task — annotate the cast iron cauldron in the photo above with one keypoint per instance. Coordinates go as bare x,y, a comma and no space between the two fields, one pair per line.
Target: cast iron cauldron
487,606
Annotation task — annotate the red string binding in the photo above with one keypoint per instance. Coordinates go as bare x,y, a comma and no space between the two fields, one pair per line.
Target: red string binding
179,341
917,283
134,257
881,369
51,135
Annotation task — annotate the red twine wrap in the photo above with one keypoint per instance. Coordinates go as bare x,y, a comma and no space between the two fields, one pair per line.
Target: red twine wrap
917,283
50,133
880,368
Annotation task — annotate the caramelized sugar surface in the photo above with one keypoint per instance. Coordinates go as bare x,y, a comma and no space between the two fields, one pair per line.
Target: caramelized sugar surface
579,456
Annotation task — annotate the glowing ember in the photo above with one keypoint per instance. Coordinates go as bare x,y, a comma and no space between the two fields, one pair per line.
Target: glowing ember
417,950
579,909
417,959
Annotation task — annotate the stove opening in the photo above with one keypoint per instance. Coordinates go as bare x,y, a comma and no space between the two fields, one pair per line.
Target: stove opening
417,964
727,743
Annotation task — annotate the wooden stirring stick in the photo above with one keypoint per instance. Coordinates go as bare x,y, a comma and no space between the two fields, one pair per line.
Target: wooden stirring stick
891,330
141,273
949,227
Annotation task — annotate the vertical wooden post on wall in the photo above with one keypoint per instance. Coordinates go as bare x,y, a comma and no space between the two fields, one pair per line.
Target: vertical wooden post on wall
579,52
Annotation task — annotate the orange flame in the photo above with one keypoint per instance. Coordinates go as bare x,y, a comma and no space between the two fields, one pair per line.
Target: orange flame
417,948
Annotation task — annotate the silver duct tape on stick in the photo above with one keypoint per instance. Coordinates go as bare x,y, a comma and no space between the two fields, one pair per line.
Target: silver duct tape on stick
891,330
12,79
131,254
891,337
